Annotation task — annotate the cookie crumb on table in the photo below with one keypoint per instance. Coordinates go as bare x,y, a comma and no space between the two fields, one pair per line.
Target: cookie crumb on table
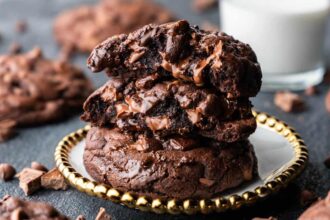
21,26
15,48
312,90
203,5
103,215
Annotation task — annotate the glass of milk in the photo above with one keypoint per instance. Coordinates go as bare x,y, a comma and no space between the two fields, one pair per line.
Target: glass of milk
287,35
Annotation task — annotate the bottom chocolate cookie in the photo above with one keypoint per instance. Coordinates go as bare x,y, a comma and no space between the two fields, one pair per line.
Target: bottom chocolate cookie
177,167
14,208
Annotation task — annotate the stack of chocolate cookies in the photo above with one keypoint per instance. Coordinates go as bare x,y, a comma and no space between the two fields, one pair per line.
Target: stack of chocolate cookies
174,117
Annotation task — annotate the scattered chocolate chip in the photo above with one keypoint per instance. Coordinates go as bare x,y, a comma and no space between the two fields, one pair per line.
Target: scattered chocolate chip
307,197
15,48
203,5
312,90
327,101
289,102
81,217
206,182
54,180
7,172
38,166
21,26
7,129
208,26
103,215
30,180
327,162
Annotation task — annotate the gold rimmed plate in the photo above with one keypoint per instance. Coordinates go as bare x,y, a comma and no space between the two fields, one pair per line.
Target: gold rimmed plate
281,153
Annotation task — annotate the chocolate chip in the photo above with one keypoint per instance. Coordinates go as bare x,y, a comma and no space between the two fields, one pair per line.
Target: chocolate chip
307,197
103,215
289,102
21,26
30,180
38,166
327,162
312,90
327,101
7,172
206,182
15,48
54,180
81,217
203,5
7,129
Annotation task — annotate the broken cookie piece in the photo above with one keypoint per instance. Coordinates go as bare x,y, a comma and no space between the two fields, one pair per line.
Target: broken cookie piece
30,180
54,180
289,102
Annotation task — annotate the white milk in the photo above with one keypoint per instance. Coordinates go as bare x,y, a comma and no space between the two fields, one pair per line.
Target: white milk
287,35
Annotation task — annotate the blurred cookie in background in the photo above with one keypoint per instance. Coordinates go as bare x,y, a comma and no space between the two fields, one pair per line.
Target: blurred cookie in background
82,28
35,90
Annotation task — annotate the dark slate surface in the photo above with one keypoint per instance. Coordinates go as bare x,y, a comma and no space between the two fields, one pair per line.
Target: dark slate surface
38,143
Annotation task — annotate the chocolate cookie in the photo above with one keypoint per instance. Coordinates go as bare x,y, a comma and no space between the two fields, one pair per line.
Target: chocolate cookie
176,167
35,90
184,52
14,208
84,27
150,105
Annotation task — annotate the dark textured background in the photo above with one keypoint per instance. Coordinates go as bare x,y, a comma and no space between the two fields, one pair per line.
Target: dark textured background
39,143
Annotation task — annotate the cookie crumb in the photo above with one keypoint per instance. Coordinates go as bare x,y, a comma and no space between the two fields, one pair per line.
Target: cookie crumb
310,91
38,166
54,180
15,48
327,101
7,129
203,5
7,172
327,162
30,180
103,215
21,26
307,197
289,102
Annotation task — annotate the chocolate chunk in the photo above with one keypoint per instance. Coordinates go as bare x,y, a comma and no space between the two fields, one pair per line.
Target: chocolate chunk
320,210
203,5
54,180
16,209
7,129
146,144
30,180
327,101
327,162
181,143
81,217
103,215
307,197
21,26
7,171
289,102
15,48
38,166
206,182
312,90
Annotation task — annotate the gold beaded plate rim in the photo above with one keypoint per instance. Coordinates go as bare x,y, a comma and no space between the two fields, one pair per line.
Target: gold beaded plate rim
189,206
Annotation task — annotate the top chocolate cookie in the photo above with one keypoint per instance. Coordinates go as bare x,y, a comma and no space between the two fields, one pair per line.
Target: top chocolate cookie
84,27
184,52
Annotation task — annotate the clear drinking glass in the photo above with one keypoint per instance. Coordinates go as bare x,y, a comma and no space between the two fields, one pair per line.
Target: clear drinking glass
287,35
